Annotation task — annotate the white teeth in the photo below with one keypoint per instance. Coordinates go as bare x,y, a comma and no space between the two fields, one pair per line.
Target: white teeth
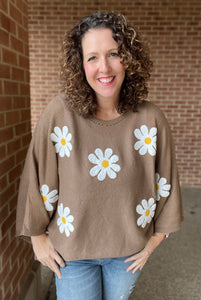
106,80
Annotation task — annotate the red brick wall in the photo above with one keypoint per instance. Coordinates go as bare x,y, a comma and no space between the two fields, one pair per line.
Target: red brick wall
173,29
15,255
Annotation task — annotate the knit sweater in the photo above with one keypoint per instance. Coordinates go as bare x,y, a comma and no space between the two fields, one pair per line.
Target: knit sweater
99,188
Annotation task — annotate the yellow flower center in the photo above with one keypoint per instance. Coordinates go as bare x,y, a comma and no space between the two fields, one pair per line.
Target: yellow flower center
44,198
63,142
63,220
105,163
147,213
147,141
157,187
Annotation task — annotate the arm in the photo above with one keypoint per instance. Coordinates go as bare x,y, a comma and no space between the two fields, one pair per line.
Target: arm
46,253
141,258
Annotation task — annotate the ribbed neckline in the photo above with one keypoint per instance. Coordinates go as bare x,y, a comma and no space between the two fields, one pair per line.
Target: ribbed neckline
107,123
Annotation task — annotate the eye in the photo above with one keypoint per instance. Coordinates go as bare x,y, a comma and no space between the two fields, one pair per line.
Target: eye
91,58
114,54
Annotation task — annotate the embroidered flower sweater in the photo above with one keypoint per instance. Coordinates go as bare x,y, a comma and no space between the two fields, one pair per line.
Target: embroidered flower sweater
99,188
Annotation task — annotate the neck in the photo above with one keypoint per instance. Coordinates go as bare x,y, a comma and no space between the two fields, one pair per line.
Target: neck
107,109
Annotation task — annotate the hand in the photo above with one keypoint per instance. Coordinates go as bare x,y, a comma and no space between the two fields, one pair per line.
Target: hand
142,257
46,253
140,260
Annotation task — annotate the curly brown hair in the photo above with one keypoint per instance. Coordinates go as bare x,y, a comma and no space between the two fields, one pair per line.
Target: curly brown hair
133,53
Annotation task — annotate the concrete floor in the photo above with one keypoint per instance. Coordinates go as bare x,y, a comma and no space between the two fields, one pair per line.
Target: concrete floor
173,272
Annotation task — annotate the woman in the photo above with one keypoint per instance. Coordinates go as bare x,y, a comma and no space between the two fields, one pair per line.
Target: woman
100,189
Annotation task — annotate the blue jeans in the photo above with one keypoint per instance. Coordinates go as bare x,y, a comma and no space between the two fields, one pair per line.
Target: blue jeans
96,279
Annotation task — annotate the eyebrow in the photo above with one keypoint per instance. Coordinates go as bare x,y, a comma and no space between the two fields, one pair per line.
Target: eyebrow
92,53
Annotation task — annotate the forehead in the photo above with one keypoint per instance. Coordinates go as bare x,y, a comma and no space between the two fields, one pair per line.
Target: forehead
98,39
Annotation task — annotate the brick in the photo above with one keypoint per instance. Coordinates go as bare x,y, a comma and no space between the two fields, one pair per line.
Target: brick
3,184
13,146
4,71
4,5
6,134
10,88
5,21
19,102
5,103
2,120
23,62
15,14
13,174
9,57
4,37
20,129
2,152
12,117
16,44
8,223
25,115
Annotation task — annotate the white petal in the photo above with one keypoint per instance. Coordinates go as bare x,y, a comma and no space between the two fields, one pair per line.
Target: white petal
61,228
151,150
144,130
67,152
70,219
114,159
70,227
94,171
52,193
138,134
144,223
162,181
164,193
139,209
140,220
138,145
152,132
166,187
54,138
157,176
145,204
53,199
65,131
69,137
93,159
62,151
111,173
108,153
69,145
59,222
66,211
143,150
58,147
157,195
44,189
60,210
115,167
99,153
48,206
151,202
102,174
58,132
67,231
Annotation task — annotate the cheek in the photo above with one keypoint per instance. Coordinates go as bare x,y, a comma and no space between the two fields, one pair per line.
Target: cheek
88,70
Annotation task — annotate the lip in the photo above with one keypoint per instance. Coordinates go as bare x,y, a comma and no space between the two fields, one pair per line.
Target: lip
106,81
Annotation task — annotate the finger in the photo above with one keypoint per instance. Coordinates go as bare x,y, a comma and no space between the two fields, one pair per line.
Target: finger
55,268
59,260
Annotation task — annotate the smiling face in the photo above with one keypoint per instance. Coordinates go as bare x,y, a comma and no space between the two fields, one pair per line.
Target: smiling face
103,68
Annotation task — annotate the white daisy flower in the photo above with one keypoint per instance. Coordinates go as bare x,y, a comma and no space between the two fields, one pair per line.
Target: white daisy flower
147,140
105,164
64,221
48,198
162,188
147,211
62,139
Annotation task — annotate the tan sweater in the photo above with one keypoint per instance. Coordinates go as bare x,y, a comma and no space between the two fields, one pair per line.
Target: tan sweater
100,188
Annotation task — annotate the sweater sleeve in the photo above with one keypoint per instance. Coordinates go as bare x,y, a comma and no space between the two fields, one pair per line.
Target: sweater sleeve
169,213
38,190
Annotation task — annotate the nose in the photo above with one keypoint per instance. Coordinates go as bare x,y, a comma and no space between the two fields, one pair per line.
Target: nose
104,66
